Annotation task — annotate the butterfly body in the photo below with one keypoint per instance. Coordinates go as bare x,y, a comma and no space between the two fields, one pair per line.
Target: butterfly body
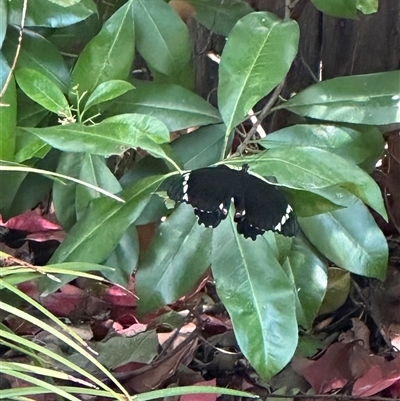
259,206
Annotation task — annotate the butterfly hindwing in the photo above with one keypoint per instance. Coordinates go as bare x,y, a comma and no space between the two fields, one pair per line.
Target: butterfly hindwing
266,209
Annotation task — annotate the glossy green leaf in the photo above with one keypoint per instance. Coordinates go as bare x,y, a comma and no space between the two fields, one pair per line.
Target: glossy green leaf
368,6
258,54
144,168
10,183
49,14
163,41
258,296
8,113
109,55
71,200
37,53
306,203
200,148
107,91
73,38
29,146
175,261
362,145
176,107
124,258
43,90
94,171
98,232
279,245
111,137
64,194
220,16
3,21
346,8
371,99
350,238
35,187
308,271
29,113
314,169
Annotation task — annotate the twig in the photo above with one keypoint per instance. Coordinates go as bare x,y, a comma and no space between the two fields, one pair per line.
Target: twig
292,5
10,74
266,109
288,8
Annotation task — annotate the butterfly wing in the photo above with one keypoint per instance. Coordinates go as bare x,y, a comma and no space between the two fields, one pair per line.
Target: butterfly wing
209,191
264,209
259,206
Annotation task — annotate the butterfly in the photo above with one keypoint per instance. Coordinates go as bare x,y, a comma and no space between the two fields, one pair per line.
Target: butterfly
259,206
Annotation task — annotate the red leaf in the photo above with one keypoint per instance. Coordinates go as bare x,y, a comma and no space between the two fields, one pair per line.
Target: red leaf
381,375
332,370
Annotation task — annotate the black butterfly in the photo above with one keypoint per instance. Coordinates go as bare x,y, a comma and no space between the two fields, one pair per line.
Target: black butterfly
259,206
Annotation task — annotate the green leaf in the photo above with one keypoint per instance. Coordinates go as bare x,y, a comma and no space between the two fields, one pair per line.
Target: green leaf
64,195
256,58
107,91
3,21
111,137
94,171
355,241
124,258
220,16
10,183
163,41
49,14
308,272
173,264
29,146
71,200
68,38
258,296
337,292
176,107
97,233
371,99
362,145
29,113
8,113
35,187
38,54
315,169
43,90
118,351
368,6
307,203
109,55
200,148
346,8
